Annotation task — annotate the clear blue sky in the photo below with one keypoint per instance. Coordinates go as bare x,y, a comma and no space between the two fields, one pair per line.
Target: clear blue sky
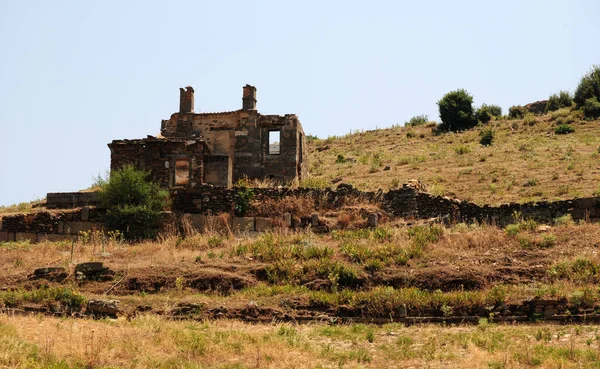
74,75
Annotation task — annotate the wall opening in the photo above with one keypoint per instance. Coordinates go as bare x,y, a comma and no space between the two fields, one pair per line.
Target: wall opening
182,172
274,142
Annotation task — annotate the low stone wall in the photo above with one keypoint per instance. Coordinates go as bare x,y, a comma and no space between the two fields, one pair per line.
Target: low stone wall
51,226
210,200
408,203
68,200
205,203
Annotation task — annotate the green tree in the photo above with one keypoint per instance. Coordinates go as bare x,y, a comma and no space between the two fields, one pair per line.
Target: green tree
456,111
133,203
589,87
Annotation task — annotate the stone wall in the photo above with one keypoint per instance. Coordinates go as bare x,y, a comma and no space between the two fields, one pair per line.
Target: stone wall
52,226
409,203
205,203
172,163
66,200
243,135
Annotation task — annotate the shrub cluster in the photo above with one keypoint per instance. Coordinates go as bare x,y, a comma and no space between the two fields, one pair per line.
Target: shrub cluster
564,129
558,101
417,120
456,111
589,87
516,112
486,112
133,203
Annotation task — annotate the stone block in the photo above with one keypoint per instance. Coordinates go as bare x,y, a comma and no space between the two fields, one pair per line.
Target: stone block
25,236
103,307
51,237
314,220
243,224
287,220
586,202
216,223
198,221
77,227
263,224
372,220
85,213
3,236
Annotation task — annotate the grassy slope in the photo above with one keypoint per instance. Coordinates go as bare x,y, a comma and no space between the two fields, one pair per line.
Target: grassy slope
525,163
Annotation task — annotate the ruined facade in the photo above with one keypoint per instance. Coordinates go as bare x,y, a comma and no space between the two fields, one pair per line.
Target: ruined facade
218,148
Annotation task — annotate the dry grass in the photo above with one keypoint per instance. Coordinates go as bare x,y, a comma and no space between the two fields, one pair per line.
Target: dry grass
527,161
152,342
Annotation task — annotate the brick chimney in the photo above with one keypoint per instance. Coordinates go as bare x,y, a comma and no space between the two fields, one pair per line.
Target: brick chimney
186,100
249,98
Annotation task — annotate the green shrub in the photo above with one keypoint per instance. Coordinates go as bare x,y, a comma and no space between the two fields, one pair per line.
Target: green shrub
417,120
456,111
591,108
486,112
516,112
564,129
461,149
529,119
558,101
589,86
486,137
133,203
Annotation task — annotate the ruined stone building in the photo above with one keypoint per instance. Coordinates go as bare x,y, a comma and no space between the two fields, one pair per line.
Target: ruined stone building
218,148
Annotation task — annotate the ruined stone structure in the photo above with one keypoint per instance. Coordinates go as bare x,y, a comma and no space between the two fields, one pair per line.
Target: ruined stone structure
218,148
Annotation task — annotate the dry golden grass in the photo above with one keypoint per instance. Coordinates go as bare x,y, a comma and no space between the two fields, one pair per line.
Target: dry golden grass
524,163
152,342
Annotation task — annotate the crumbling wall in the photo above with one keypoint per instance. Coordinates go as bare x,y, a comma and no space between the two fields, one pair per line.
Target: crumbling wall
164,159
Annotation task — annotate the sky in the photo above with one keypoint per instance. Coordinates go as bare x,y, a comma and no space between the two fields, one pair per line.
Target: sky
75,75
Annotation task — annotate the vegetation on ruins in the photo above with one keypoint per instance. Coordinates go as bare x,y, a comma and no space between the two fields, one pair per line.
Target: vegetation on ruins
133,202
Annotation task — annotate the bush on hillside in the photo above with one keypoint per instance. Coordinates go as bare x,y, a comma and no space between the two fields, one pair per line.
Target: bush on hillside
564,129
589,87
558,101
591,108
133,203
456,111
486,112
486,137
516,112
417,120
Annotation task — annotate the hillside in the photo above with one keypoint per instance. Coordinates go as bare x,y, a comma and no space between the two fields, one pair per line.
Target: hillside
526,162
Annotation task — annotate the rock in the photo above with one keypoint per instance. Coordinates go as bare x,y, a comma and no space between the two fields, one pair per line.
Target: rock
372,220
287,220
52,274
103,307
89,267
320,149
543,228
314,220
336,180
387,167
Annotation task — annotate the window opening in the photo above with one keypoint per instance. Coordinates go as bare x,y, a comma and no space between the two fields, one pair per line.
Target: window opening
274,142
182,172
